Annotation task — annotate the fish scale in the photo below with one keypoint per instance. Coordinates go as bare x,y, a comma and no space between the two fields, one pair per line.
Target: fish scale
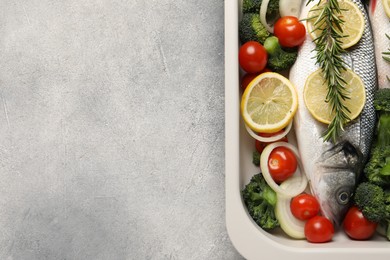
328,183
361,59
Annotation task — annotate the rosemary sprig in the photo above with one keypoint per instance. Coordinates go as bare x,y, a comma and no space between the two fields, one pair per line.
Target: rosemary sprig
329,58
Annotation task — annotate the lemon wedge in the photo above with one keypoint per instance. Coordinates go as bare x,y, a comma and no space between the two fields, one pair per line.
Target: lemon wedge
353,25
315,92
269,103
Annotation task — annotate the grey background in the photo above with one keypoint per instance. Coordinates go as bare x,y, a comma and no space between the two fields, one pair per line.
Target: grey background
112,130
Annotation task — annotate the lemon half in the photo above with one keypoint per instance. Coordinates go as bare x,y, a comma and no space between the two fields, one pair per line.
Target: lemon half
269,103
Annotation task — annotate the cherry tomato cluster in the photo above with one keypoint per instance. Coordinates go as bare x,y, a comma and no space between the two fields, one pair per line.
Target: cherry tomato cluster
253,56
318,229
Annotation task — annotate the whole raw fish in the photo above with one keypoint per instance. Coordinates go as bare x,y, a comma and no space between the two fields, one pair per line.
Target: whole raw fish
380,24
334,169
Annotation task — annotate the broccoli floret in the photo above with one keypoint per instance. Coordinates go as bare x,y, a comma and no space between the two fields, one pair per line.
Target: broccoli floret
370,199
260,200
382,100
373,197
273,10
251,29
256,158
279,59
386,193
377,170
253,6
374,202
382,106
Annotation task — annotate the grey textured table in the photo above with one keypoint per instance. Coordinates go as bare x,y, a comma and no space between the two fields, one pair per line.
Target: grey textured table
112,130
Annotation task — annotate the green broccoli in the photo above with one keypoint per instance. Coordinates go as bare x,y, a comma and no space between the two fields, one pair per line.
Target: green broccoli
382,106
253,6
278,58
256,158
273,10
374,202
386,193
251,29
370,199
377,170
260,200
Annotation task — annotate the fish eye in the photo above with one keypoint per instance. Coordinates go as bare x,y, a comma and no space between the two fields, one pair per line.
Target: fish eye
343,197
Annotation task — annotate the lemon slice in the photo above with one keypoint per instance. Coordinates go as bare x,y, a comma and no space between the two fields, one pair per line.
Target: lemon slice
353,25
269,103
315,92
386,6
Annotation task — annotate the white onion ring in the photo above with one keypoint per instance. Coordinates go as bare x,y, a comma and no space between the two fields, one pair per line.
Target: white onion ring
298,179
263,16
290,225
271,138
290,7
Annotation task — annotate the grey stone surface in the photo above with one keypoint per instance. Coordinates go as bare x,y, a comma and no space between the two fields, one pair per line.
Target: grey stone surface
112,130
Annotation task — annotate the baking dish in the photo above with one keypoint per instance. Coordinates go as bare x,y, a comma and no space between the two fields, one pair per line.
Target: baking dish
250,240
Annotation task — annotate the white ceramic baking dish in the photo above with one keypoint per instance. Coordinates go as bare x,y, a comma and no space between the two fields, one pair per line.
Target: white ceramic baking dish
250,240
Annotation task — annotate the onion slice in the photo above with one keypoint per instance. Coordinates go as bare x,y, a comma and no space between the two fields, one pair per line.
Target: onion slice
297,181
271,138
290,7
292,226
263,16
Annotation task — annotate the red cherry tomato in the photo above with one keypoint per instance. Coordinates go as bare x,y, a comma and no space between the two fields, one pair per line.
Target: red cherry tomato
357,226
282,163
284,139
261,145
290,31
248,77
304,206
319,229
252,57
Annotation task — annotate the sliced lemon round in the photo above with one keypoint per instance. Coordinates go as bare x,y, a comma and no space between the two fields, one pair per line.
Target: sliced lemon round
352,27
316,89
386,6
269,103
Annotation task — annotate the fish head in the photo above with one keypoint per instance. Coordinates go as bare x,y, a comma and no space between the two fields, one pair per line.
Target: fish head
335,180
334,193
